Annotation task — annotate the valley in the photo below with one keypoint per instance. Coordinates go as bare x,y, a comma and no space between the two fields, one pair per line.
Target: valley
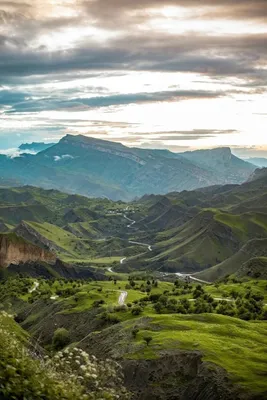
165,280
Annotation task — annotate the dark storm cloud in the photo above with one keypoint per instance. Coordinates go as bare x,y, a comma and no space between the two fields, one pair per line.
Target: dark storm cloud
149,49
208,55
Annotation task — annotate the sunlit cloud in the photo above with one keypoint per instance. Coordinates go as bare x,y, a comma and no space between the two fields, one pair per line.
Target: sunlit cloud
175,73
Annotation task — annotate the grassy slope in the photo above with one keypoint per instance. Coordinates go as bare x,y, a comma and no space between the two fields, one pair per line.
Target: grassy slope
231,265
72,246
237,346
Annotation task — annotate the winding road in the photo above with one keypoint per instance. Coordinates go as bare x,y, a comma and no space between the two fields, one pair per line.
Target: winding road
131,241
184,276
122,297
35,287
131,220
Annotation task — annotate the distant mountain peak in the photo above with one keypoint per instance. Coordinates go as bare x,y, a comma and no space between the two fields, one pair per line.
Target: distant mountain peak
89,140
36,146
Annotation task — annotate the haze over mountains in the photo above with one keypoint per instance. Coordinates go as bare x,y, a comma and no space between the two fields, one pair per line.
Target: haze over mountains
93,167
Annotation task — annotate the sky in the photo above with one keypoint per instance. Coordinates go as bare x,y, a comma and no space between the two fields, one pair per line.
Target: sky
176,74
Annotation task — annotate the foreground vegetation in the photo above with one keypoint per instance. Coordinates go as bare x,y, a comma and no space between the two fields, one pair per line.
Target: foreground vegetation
156,316
72,374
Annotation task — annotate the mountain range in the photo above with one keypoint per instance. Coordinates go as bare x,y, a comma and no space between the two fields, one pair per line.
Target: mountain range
97,168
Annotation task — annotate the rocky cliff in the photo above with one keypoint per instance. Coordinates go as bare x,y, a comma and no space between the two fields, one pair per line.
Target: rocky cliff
15,250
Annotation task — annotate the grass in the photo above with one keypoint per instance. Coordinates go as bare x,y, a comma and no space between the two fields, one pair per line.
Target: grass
108,291
235,345
71,246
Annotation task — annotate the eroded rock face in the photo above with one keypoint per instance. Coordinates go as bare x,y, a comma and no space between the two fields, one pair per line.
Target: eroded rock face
15,250
181,376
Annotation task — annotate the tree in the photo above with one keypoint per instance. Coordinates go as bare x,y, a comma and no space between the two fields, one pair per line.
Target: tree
201,306
226,308
163,299
158,307
198,292
148,340
185,303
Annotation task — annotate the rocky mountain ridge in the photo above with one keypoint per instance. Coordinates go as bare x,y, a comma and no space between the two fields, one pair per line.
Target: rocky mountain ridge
99,168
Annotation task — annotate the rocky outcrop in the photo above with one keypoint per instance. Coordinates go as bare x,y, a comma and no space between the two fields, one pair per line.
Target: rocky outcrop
15,250
182,375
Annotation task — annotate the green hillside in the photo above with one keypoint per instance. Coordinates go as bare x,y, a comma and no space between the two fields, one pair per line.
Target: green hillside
228,350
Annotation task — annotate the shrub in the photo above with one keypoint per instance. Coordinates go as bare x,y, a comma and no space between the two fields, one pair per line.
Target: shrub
137,310
121,308
110,318
98,303
158,307
61,338
70,375
154,297
163,299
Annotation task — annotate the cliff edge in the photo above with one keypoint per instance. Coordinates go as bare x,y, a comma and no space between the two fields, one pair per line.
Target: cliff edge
14,250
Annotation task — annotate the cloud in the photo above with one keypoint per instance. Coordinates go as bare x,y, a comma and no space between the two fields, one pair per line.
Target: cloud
26,103
193,132
49,48
133,12
63,157
15,152
207,55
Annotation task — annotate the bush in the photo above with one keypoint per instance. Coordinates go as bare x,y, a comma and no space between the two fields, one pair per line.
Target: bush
61,338
163,299
137,310
121,308
158,307
98,303
110,318
154,297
